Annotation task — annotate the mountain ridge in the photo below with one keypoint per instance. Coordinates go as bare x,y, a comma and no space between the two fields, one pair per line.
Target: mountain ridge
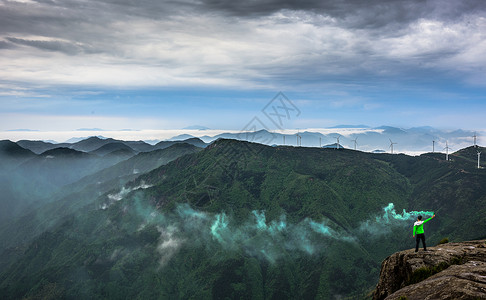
113,146
93,143
415,140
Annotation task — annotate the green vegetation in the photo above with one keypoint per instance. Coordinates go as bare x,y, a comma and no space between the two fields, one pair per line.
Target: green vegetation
425,272
52,208
444,241
237,220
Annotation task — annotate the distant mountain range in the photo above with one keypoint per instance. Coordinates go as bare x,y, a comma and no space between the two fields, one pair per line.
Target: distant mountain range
414,140
196,127
102,146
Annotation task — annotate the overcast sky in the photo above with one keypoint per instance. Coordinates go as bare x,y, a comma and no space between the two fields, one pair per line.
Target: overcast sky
153,64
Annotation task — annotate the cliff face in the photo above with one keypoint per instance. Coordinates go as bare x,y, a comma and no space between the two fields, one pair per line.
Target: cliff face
449,271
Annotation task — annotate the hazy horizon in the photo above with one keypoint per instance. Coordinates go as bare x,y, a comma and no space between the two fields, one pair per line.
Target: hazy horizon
410,141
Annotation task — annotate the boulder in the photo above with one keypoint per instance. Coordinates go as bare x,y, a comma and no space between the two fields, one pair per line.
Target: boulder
448,271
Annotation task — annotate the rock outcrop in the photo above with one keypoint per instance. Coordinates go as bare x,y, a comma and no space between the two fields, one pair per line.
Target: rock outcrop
448,271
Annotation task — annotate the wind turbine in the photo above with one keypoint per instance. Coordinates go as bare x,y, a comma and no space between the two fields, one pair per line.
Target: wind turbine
283,139
479,158
447,151
299,139
391,145
320,142
355,142
433,146
475,136
337,141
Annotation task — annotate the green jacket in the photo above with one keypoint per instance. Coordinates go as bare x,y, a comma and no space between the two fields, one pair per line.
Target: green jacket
418,227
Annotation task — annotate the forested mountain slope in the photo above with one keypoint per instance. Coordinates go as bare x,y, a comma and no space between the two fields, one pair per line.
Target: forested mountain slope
243,220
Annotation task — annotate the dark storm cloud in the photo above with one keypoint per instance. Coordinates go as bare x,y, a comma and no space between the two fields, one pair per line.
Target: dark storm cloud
69,18
39,19
354,13
107,10
65,47
85,21
371,13
5,45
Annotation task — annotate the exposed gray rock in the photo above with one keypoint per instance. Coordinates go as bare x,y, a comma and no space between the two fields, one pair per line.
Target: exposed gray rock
459,268
467,281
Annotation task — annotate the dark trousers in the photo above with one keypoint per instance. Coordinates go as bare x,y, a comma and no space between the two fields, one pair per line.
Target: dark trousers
419,237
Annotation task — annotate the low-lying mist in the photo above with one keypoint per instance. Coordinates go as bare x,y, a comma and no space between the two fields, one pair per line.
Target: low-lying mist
256,236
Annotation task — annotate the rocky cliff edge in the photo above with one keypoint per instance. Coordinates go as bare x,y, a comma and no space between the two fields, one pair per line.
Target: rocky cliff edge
447,271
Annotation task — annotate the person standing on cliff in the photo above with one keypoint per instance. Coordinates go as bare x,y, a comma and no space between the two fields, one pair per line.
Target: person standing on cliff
418,229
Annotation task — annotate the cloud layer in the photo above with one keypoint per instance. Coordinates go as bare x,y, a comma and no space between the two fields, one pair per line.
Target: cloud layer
242,43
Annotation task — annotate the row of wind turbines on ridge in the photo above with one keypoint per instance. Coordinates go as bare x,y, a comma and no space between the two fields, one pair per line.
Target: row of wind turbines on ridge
355,141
